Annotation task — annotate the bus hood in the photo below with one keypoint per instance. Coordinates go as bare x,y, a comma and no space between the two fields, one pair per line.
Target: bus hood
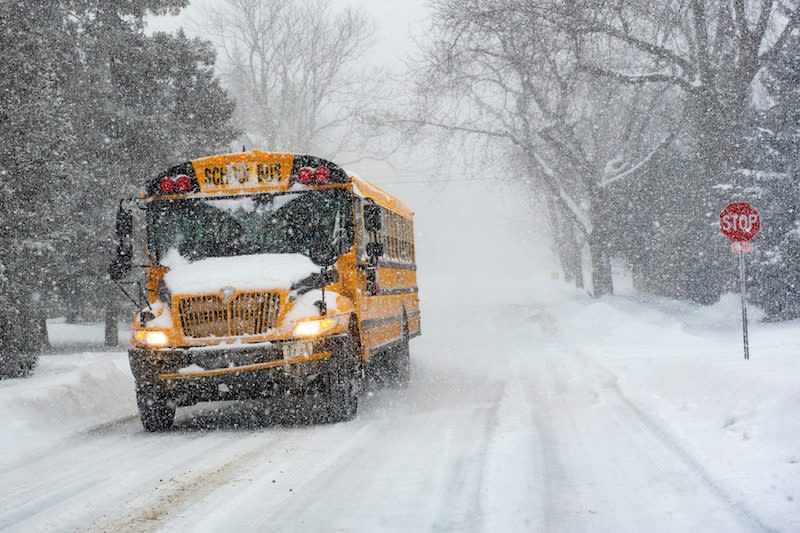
242,272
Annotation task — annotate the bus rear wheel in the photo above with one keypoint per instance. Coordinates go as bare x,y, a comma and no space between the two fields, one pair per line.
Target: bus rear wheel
156,410
399,375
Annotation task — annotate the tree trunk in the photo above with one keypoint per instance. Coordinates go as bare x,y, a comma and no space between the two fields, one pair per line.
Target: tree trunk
573,256
112,329
70,295
43,337
602,279
567,246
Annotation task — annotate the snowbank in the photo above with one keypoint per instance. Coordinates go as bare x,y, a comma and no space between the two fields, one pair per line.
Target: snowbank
66,394
62,334
725,313
682,366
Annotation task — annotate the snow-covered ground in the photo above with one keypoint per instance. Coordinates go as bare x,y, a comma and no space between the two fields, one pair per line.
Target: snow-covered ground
559,414
74,337
680,368
532,408
67,395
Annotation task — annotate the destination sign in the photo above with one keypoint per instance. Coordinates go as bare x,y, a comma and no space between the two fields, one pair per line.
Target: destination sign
246,171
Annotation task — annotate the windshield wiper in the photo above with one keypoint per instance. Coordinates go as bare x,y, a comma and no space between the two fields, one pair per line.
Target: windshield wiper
316,281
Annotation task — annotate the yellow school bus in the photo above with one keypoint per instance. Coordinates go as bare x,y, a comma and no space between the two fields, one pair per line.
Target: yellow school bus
268,275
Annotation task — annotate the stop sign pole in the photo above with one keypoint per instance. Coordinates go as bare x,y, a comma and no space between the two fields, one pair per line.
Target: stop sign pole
743,293
740,222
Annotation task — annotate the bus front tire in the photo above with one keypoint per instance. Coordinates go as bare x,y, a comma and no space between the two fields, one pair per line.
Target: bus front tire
156,410
342,386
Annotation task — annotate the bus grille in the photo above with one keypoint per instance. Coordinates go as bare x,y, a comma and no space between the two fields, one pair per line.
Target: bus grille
246,314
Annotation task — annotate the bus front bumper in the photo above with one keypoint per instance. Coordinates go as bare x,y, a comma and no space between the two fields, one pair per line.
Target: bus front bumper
240,372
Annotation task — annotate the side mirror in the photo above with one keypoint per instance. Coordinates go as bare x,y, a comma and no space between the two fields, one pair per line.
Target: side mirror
323,255
372,217
123,263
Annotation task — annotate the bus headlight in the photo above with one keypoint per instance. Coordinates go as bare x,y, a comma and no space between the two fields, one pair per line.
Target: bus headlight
314,328
156,339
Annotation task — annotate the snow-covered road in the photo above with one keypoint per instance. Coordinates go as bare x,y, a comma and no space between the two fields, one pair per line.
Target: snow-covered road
510,424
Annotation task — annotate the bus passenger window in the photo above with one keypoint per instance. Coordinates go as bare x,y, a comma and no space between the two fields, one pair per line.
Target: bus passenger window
360,232
393,235
405,240
385,230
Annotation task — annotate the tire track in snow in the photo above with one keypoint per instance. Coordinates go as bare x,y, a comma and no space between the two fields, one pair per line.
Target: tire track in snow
111,425
513,495
555,475
47,492
386,470
315,484
670,442
536,387
68,442
162,504
610,384
465,477
441,463
265,505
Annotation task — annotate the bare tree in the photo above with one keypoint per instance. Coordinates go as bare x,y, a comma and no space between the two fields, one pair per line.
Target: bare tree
500,70
712,50
294,68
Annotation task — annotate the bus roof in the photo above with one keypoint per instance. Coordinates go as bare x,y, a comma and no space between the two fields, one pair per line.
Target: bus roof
256,171
380,197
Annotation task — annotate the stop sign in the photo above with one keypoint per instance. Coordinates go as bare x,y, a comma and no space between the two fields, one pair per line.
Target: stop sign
739,222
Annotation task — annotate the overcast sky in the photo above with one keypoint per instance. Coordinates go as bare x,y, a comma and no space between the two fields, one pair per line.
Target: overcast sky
396,21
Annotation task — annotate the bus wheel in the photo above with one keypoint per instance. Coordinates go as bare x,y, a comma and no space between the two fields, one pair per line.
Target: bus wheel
400,363
156,411
342,386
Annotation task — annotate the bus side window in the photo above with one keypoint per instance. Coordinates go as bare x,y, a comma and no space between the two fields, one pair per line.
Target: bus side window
360,233
410,241
406,255
385,231
412,245
398,238
405,240
392,236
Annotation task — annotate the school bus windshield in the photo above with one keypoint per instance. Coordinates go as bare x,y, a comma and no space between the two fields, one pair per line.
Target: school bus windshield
245,225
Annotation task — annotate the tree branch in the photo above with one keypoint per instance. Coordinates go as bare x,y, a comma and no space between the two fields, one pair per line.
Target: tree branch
660,52
769,56
637,79
641,164
763,21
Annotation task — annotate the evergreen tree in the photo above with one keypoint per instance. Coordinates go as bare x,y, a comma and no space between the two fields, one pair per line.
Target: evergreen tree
90,106
36,139
143,104
774,144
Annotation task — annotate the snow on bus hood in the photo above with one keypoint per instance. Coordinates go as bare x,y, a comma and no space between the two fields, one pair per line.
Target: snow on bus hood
257,272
